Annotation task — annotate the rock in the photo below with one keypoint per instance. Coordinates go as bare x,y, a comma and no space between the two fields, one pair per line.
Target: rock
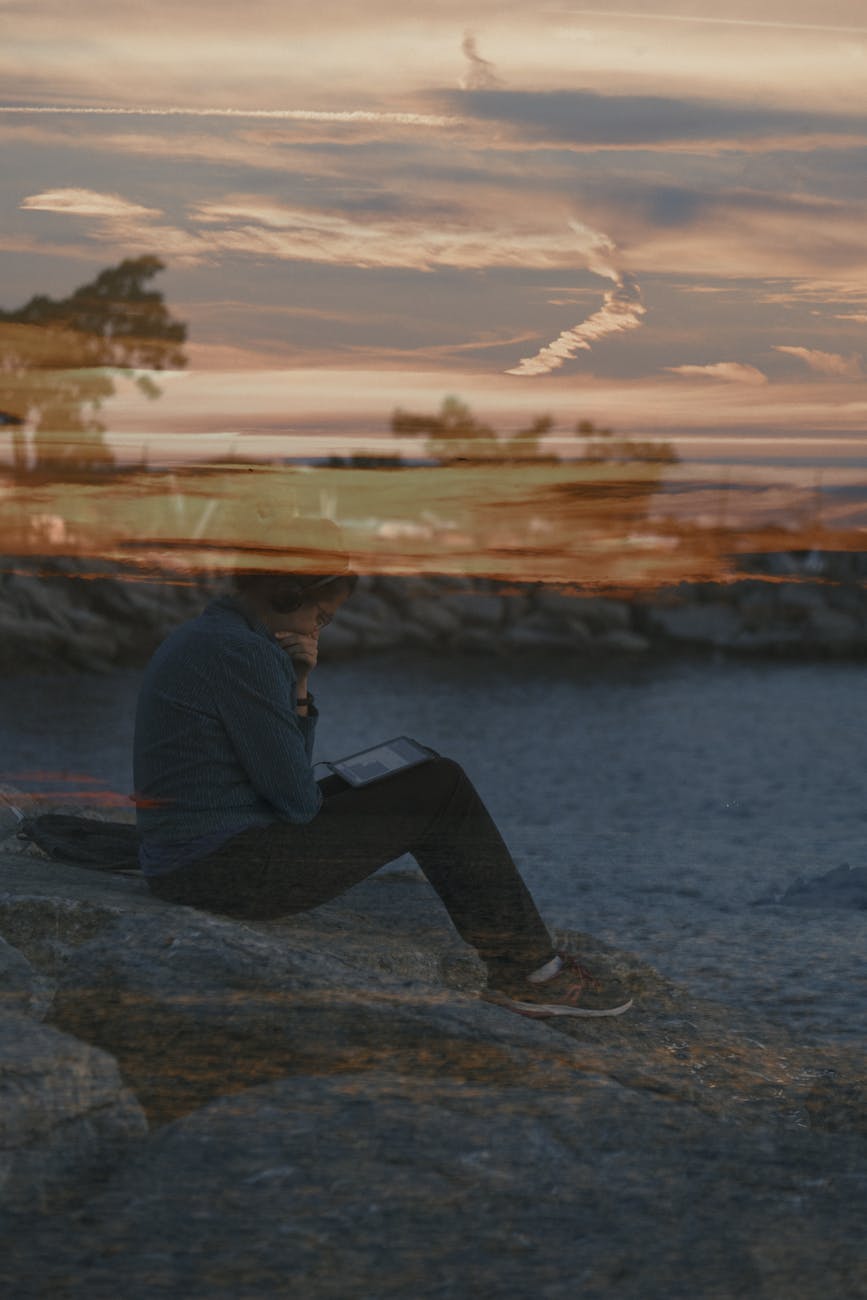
620,641
34,643
843,886
368,607
48,908
476,609
758,608
194,1005
579,632
22,990
372,1184
66,1114
774,640
834,629
32,598
602,615
11,812
433,616
373,626
345,1116
476,640
801,599
706,625
529,637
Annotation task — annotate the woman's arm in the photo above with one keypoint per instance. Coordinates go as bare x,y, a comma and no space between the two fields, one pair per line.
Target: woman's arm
256,698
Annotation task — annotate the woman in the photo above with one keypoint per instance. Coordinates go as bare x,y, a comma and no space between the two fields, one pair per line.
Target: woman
232,819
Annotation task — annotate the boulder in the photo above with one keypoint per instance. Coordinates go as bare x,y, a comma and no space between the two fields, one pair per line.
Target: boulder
835,629
34,642
602,615
194,1004
778,640
66,1115
343,1115
800,600
703,625
541,633
372,1184
433,616
843,886
621,641
476,609
11,813
23,990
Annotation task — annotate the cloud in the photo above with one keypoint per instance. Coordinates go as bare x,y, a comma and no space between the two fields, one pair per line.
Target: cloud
582,118
263,227
87,203
732,372
621,308
827,363
480,73
266,227
783,24
131,226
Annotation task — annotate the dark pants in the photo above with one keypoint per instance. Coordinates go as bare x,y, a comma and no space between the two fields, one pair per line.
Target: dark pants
432,811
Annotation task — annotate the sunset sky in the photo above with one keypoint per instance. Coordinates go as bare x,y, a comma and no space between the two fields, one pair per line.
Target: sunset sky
651,216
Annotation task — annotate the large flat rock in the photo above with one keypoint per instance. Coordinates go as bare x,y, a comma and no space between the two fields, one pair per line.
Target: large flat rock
372,1185
335,1113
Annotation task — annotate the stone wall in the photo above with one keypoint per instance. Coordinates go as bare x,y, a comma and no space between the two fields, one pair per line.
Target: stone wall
76,617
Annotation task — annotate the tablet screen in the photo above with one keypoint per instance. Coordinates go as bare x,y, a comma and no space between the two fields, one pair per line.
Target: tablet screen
380,761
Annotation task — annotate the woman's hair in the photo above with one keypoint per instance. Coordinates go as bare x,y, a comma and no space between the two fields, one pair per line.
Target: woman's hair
290,587
286,592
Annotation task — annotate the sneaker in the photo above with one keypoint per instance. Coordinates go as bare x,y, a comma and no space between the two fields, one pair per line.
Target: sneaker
573,991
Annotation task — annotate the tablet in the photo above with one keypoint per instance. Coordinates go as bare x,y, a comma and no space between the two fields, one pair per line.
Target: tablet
381,761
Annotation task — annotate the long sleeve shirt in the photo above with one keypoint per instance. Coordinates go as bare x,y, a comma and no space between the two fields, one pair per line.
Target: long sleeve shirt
219,746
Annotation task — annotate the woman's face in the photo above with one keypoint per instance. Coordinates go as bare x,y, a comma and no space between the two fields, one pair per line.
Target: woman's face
310,619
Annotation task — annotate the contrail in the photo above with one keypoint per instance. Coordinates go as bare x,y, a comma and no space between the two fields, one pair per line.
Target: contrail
696,18
622,308
278,114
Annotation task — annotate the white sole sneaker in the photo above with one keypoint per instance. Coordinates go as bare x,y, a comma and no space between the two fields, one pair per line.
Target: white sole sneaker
544,1010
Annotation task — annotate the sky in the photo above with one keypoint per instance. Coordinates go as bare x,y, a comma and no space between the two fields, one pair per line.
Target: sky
650,216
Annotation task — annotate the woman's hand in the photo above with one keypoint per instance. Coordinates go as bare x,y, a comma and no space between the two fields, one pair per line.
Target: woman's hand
302,648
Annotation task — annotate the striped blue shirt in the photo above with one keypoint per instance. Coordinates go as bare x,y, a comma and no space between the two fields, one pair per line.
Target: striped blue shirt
219,746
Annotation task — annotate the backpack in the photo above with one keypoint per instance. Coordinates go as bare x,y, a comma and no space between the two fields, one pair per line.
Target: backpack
102,846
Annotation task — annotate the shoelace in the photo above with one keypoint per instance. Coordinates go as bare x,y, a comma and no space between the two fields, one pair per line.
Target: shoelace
571,966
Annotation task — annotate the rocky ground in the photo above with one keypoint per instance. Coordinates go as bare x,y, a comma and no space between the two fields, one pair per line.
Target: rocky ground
79,615
323,1107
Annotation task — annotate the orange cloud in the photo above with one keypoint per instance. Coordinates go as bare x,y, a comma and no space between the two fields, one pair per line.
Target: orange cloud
827,363
733,372
87,203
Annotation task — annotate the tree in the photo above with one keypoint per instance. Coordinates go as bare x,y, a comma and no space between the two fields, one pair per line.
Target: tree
455,434
55,355
601,447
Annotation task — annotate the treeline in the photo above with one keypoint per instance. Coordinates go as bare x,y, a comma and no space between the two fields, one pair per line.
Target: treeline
453,435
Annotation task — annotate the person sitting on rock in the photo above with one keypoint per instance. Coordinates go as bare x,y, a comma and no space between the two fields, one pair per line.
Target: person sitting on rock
232,819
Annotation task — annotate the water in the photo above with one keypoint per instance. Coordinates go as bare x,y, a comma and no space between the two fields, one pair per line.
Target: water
651,805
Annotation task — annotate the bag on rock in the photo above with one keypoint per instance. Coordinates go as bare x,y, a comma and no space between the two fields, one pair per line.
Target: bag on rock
103,846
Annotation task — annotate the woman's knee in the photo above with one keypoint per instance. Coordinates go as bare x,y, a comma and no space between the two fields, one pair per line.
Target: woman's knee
446,773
